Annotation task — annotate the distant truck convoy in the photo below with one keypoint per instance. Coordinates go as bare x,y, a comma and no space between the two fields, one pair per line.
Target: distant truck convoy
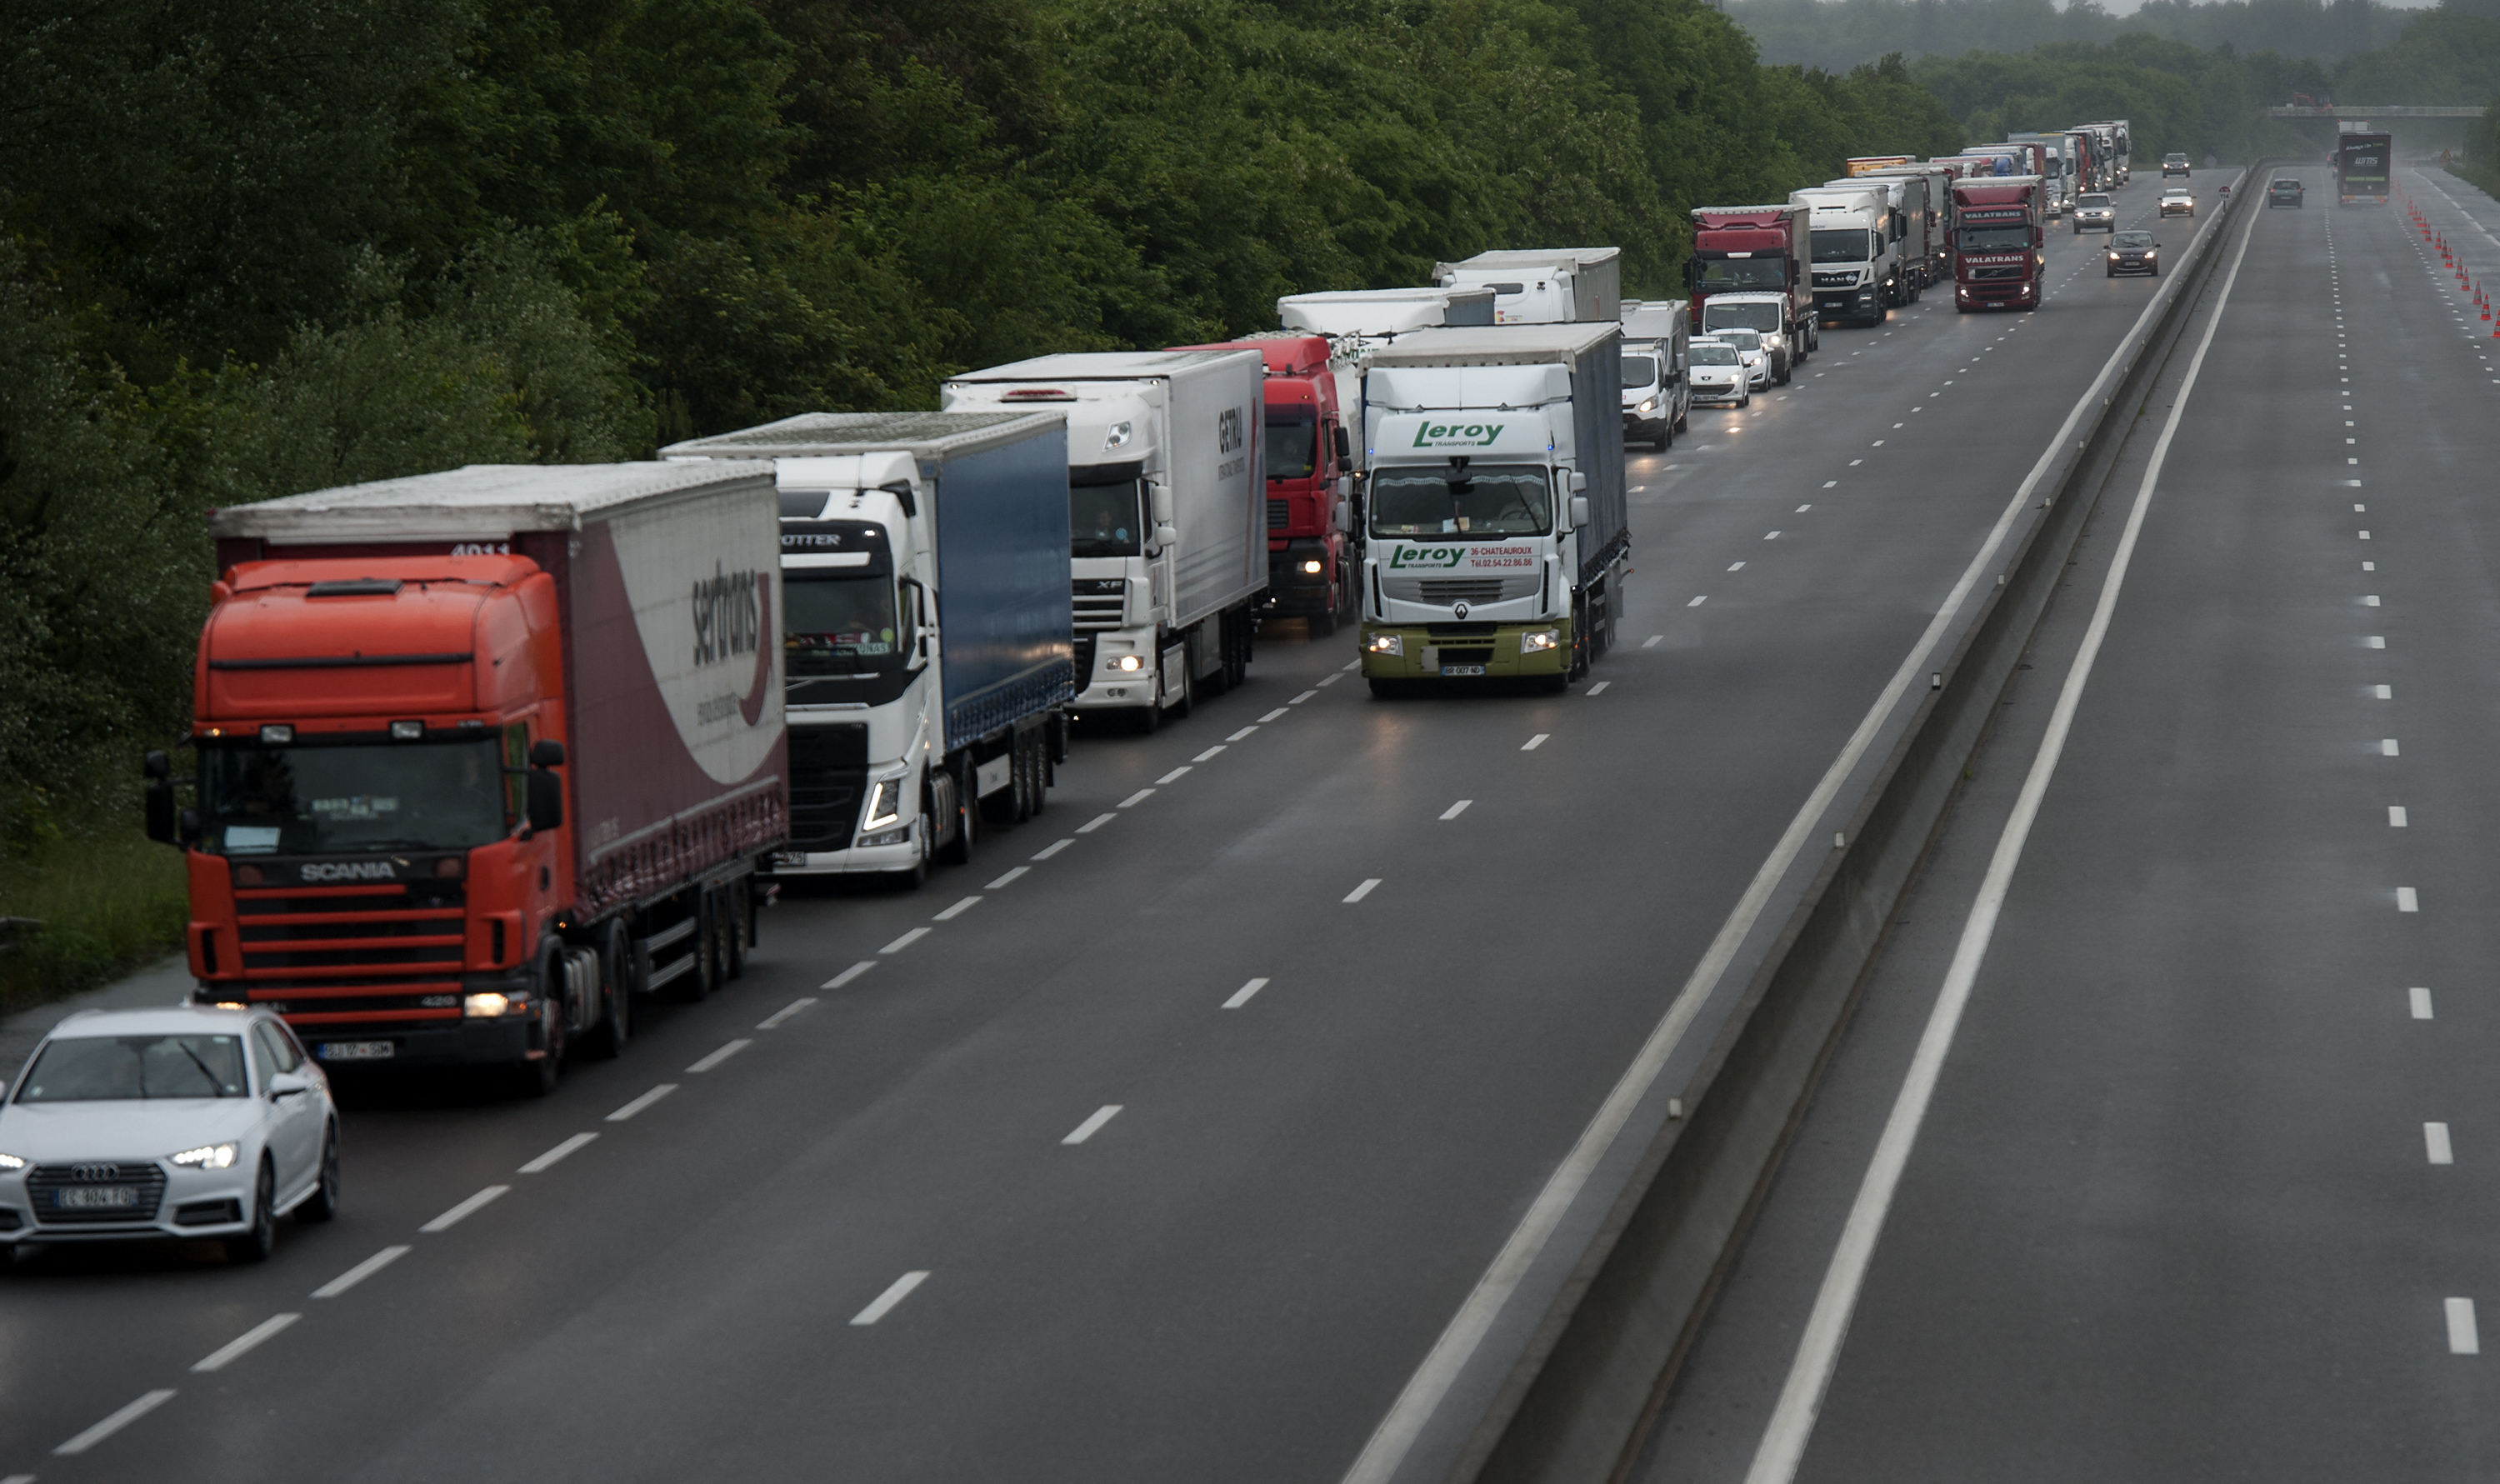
1169,530
1747,249
924,625
482,755
1498,541
1998,255
1547,285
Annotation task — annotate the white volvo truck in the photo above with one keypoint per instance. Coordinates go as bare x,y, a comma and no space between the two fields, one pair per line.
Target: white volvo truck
1497,542
1169,520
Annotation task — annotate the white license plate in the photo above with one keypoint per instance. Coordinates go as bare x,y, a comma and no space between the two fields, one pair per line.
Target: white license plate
357,1050
1463,669
97,1198
789,857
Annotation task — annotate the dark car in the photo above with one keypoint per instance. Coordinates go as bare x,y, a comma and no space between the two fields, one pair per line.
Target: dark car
2135,252
2284,191
2174,164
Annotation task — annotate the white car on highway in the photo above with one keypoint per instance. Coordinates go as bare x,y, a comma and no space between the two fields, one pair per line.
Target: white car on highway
1719,374
1754,350
186,1122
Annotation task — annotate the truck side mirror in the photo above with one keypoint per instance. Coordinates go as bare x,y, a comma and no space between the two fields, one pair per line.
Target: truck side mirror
154,766
546,752
1579,482
1161,498
1579,510
1342,516
160,810
1344,445
1167,536
545,800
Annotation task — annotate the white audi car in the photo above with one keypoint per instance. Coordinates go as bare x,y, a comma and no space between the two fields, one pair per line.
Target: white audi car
184,1123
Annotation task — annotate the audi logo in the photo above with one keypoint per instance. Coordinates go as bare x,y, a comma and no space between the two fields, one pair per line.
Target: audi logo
95,1172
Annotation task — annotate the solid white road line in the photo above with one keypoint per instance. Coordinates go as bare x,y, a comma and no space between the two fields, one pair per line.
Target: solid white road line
461,1212
1272,715
244,1344
1363,891
955,911
547,1160
1208,753
713,1059
371,1265
1008,880
1092,1125
1139,797
1599,688
2406,900
848,974
2434,1144
2462,1337
1094,823
913,936
1241,996
1051,849
639,1104
1244,731
1456,809
885,1301
135,1410
2395,816
1172,776
1800,1400
2419,998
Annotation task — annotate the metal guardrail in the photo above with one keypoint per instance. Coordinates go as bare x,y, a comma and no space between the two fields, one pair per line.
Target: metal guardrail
2362,113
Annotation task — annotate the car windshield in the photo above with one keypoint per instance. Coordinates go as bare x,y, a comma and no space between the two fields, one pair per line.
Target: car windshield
1293,442
1460,499
2092,198
2011,238
1716,317
259,800
1721,274
1844,245
1639,370
1102,520
837,622
1713,354
2132,240
1742,339
103,1068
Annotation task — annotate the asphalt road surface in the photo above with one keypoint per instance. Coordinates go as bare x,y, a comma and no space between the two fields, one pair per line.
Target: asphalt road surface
1163,1141
2206,1185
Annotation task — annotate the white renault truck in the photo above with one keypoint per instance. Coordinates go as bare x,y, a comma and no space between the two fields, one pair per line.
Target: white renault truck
1166,496
1498,541
1543,286
1856,262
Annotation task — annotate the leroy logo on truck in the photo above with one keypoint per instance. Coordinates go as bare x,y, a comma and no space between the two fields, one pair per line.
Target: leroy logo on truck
1426,557
1453,435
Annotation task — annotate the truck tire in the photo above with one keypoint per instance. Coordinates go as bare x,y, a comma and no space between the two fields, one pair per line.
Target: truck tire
967,818
698,982
607,1040
740,899
1041,768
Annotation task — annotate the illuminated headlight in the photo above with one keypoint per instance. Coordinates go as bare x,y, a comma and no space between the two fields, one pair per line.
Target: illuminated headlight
1535,641
1650,406
12,1162
1117,438
1125,664
1311,567
205,1157
488,1004
885,805
1385,644
2112,257
886,837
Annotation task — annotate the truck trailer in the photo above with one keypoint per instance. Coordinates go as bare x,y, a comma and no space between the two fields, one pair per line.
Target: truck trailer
1548,285
482,755
2361,170
1169,522
1905,200
1997,258
925,626
1497,539
1933,205
1746,250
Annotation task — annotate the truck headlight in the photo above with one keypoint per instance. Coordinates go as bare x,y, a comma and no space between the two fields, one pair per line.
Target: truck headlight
205,1157
1125,664
489,1005
1311,567
1385,644
1533,641
885,805
1650,406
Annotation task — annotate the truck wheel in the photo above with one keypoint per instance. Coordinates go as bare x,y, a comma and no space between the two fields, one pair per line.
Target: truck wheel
967,818
1323,623
700,981
739,898
1041,769
607,1040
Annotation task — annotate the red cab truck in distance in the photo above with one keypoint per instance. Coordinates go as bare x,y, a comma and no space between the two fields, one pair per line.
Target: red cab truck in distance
483,754
1312,572
1756,250
1998,236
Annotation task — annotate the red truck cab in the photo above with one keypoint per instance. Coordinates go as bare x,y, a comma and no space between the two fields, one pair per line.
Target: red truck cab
1312,568
1997,238
1756,250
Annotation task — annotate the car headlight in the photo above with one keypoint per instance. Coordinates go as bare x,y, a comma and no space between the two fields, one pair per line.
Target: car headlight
12,1162
1385,644
488,1004
205,1157
885,805
1313,567
1125,664
2112,257
1650,406
1533,641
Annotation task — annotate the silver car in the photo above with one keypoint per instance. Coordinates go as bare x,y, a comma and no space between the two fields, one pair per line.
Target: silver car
1719,374
1754,350
187,1122
2092,209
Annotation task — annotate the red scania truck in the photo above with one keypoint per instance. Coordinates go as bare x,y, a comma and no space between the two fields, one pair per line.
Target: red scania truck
1997,238
1313,570
483,754
1756,250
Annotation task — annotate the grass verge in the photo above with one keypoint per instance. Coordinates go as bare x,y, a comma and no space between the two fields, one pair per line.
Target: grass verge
101,900
2482,178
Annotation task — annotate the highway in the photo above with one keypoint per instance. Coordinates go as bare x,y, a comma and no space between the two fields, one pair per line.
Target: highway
1166,1140
2204,1185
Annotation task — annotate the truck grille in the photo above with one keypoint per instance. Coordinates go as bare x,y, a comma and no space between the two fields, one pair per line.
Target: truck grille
331,955
1835,280
1448,590
44,1184
828,778
1101,602
1280,514
1987,275
1084,657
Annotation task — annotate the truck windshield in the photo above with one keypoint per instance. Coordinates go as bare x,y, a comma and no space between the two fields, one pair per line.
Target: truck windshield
1102,520
1844,245
1293,442
1460,499
1722,275
1717,317
259,800
1639,371
2013,237
839,622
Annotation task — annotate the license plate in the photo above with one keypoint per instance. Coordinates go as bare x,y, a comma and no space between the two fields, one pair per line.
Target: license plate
96,1197
1463,669
357,1050
789,857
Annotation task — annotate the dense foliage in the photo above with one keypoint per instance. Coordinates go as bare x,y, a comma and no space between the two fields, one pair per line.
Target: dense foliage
1840,33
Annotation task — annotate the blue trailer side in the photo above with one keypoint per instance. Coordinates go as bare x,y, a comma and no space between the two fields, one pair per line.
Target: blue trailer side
1004,614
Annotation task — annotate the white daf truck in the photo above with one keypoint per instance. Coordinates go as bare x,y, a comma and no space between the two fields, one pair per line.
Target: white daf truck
1856,262
1166,497
1498,541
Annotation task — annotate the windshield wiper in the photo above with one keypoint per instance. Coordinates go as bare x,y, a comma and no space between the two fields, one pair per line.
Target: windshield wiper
216,1089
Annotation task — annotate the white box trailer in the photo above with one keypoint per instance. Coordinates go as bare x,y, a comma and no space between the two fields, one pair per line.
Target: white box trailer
1544,285
1358,321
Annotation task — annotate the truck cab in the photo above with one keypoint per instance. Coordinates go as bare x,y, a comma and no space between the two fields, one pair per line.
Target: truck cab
1311,572
1752,250
1768,313
1998,261
1857,260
